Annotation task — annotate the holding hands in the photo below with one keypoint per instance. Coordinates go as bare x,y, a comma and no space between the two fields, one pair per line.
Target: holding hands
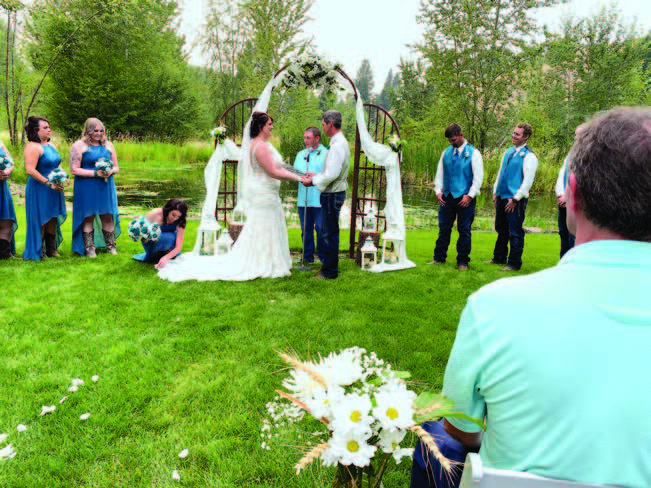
4,174
307,180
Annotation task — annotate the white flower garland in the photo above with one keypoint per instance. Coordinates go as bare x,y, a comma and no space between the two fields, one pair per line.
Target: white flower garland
311,71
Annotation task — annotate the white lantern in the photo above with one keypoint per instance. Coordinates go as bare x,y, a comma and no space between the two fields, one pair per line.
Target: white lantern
392,245
370,222
208,241
368,254
224,243
239,216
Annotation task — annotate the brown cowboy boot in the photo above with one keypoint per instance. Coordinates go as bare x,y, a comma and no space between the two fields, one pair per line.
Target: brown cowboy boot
109,239
5,249
51,246
89,243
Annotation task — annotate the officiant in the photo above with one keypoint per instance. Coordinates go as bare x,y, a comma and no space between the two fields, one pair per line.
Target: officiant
310,160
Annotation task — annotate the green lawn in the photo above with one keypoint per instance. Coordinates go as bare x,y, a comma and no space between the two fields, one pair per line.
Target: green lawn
191,365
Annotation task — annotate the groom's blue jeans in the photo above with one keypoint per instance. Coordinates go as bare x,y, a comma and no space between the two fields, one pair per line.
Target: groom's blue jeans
331,204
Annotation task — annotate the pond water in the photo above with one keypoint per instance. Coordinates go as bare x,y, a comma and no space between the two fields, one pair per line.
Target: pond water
151,188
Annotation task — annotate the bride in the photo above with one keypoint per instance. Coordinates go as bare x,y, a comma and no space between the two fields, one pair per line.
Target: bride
262,249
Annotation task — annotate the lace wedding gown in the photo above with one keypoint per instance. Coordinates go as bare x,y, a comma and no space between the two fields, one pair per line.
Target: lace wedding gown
262,249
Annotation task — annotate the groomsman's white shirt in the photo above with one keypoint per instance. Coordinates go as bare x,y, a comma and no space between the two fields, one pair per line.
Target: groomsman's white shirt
529,166
335,169
560,182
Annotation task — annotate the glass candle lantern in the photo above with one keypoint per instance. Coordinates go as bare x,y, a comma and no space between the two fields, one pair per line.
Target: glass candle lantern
224,244
392,244
369,254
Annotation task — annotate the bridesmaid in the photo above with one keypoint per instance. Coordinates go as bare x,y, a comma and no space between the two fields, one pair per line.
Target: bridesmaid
8,224
44,202
95,201
171,219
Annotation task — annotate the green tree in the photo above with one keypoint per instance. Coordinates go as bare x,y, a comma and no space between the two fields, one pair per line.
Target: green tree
247,41
386,97
476,51
364,81
120,61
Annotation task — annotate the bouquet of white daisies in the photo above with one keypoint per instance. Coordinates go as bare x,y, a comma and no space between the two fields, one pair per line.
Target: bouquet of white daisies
358,412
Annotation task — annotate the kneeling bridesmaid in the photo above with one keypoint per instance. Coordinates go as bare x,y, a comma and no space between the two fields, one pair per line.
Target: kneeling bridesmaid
44,201
95,202
8,224
171,219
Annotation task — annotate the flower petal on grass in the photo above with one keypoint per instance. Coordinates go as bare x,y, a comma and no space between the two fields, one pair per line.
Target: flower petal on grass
45,409
7,452
3,437
84,416
95,378
175,475
73,388
63,400
21,428
184,453
77,382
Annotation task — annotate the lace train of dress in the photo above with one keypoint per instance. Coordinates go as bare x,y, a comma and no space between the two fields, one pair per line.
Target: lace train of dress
261,251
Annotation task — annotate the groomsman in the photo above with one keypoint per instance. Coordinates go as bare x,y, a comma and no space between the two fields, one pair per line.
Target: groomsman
567,239
459,176
510,197
310,160
332,184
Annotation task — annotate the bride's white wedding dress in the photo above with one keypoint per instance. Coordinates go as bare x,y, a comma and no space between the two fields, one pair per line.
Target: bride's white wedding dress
262,249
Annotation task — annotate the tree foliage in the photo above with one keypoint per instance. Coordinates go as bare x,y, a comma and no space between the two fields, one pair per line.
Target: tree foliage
119,60
476,51
365,81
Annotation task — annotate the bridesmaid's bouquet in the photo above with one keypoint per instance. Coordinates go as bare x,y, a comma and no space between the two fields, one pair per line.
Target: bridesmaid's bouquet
395,143
141,228
219,133
5,163
58,176
105,165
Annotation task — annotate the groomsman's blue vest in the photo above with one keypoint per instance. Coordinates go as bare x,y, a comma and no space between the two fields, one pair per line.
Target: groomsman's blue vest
512,174
457,174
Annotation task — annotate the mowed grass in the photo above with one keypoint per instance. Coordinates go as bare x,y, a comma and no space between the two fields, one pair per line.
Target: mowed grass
191,365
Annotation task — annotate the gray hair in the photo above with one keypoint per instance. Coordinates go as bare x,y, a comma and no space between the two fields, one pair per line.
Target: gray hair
611,162
332,117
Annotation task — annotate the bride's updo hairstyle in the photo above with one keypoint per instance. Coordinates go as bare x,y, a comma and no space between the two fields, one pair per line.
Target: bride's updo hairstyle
258,121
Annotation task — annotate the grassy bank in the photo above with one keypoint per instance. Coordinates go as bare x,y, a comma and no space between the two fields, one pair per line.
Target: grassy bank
191,365
419,160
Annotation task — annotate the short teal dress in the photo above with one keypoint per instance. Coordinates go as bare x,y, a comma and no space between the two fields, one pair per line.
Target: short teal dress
165,242
42,203
93,196
7,208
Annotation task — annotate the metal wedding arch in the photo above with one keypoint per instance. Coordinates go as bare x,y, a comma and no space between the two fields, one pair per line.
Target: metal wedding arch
369,185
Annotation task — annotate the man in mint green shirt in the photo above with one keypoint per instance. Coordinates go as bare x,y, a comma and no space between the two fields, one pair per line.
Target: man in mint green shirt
558,362
310,160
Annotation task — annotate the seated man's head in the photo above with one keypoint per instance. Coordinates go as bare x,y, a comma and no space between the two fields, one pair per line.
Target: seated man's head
312,137
609,189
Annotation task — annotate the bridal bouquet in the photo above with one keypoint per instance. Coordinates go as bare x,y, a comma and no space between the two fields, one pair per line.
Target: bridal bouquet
219,133
358,411
5,163
141,228
105,165
58,176
395,143
311,71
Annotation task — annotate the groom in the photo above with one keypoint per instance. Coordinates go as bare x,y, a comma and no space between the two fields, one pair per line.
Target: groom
332,185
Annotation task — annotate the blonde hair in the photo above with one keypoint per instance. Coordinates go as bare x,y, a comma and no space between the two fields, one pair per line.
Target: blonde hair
90,125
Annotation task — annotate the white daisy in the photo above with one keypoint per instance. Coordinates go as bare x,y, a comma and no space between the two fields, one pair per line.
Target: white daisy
301,383
395,405
351,413
351,448
398,454
342,369
390,440
320,404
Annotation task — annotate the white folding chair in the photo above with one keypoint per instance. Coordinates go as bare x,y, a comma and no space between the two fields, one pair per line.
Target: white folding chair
475,475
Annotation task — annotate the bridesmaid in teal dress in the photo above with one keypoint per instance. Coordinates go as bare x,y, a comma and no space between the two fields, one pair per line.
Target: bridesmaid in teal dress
44,202
95,217
8,224
171,219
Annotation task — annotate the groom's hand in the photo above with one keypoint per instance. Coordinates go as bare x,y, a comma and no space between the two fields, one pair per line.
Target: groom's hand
307,181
